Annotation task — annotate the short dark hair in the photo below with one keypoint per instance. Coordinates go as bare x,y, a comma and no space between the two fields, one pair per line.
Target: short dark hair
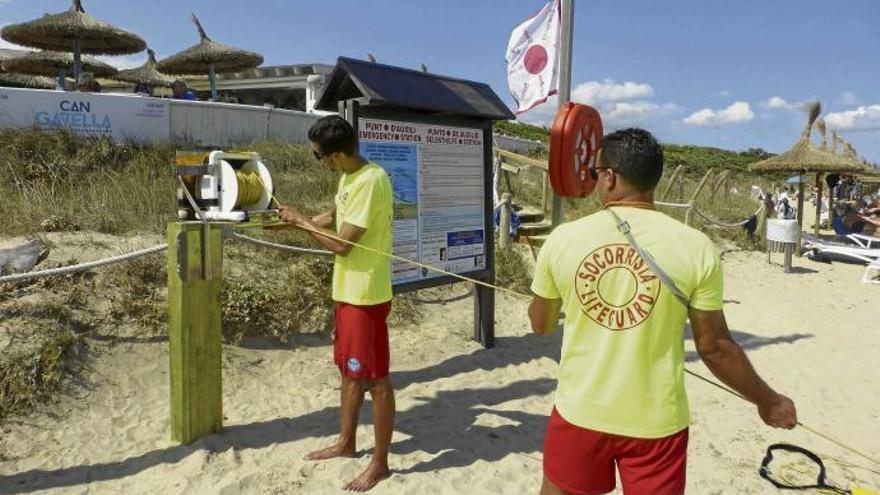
334,134
635,155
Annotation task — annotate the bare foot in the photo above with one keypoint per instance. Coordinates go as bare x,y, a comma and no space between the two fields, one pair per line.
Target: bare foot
335,450
369,478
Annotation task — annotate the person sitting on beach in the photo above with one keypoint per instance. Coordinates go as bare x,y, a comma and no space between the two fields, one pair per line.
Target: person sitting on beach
361,289
852,220
620,399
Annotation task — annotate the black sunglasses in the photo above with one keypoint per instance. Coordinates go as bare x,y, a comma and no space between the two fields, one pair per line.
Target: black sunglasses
318,156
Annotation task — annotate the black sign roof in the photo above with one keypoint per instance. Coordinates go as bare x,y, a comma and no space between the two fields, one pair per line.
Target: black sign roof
379,84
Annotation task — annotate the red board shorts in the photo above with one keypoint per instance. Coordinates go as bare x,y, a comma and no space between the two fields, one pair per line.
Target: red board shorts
360,347
582,461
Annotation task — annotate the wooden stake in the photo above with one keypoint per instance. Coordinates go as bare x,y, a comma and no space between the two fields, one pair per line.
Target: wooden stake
818,202
693,201
504,222
672,179
195,271
800,214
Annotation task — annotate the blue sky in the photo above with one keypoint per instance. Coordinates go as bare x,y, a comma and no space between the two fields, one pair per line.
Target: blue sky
718,73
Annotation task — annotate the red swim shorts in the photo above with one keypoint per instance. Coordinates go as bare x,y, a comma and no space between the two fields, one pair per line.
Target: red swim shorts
582,461
360,347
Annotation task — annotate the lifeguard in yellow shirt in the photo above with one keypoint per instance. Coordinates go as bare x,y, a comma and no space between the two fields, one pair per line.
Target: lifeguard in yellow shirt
621,400
361,289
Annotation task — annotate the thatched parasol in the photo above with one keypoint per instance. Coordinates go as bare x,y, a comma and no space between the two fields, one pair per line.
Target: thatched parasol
145,74
74,31
209,57
803,157
45,63
10,80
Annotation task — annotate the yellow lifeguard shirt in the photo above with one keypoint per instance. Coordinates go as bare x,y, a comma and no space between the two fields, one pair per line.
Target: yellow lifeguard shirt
621,369
364,199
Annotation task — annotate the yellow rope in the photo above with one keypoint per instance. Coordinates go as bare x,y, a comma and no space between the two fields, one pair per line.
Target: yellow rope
250,188
526,296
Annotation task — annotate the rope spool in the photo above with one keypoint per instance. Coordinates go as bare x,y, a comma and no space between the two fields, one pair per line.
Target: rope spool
250,188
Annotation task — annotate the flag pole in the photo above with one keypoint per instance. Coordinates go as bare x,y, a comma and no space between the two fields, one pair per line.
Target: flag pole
564,80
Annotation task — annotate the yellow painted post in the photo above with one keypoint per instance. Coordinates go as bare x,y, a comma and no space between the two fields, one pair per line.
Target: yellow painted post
195,271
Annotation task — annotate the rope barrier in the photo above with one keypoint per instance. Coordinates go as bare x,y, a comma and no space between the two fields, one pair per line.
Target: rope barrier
83,266
283,247
723,224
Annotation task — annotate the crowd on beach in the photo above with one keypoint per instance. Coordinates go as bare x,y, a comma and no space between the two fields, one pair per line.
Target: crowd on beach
854,209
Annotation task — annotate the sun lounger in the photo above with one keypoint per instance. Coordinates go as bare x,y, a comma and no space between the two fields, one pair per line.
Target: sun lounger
869,277
841,252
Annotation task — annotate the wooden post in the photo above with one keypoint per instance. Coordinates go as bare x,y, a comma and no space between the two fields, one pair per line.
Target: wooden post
818,203
680,188
504,222
800,214
693,201
545,193
761,228
671,183
195,271
831,207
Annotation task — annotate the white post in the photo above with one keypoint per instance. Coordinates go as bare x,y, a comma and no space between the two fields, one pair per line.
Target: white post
313,85
564,80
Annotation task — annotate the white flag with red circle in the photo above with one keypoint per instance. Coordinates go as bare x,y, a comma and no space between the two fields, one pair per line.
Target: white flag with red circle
533,58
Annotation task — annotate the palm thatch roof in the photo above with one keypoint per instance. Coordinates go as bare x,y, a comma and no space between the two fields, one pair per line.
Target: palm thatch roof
58,32
804,157
199,59
145,74
10,80
45,63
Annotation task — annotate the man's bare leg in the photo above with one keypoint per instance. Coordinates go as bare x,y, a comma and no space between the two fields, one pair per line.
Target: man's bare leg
382,393
550,488
351,399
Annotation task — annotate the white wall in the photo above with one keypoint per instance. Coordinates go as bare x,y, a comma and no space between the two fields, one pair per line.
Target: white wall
207,124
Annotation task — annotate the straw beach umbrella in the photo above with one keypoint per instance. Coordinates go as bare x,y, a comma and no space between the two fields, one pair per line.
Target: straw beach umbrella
73,31
10,80
146,74
45,63
209,57
803,157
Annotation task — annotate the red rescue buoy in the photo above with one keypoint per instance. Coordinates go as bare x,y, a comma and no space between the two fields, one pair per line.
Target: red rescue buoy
575,139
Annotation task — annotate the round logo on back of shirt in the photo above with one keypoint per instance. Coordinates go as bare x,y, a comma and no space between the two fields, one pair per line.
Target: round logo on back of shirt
615,287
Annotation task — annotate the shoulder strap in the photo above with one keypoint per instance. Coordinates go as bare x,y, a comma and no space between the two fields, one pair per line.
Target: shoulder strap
623,227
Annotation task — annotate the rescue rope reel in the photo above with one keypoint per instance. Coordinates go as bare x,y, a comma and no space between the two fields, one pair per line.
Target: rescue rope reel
225,186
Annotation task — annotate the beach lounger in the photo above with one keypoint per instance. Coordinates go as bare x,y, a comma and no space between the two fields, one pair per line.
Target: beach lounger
841,252
869,277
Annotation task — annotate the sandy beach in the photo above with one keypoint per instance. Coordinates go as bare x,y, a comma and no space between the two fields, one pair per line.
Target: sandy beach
469,420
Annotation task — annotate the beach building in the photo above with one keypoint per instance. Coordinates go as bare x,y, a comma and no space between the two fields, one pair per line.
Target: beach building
293,87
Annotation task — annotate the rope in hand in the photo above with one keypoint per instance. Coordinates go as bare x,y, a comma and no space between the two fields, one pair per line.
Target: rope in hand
512,292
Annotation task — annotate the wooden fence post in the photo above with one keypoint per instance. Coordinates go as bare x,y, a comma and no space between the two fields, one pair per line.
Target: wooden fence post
195,273
693,201
504,222
672,179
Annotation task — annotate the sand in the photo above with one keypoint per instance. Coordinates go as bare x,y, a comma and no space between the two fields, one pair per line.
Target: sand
469,420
